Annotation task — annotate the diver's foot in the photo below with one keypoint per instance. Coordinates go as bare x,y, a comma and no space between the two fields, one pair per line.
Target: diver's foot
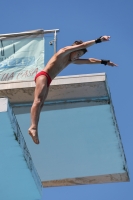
33,133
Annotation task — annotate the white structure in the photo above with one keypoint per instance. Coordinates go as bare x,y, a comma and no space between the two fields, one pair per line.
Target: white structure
16,177
80,140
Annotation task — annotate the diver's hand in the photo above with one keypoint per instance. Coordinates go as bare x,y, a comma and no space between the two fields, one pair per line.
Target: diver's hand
105,38
112,64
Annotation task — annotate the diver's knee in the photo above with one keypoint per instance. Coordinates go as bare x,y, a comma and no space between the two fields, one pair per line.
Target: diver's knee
38,101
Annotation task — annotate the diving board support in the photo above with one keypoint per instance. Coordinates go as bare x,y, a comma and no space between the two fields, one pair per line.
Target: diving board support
83,145
17,170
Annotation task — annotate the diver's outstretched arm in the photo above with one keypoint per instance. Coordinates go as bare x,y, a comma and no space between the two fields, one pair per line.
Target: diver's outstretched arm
94,61
85,45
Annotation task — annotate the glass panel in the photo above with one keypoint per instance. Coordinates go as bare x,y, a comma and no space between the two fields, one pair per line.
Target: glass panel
76,140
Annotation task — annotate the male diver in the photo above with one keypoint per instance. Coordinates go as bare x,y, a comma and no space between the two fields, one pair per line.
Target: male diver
60,60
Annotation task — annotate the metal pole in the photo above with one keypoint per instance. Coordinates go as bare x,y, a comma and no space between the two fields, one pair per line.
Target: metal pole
55,41
51,31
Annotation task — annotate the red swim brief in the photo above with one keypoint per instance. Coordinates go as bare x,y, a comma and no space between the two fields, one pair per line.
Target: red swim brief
44,74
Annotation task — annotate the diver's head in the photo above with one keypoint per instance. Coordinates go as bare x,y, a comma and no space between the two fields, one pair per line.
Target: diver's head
76,54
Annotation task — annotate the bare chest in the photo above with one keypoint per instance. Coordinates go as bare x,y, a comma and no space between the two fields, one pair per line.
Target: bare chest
56,65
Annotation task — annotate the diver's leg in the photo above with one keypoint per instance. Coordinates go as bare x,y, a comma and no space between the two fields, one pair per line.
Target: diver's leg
40,95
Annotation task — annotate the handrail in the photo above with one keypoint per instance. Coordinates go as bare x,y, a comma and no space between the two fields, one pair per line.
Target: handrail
32,32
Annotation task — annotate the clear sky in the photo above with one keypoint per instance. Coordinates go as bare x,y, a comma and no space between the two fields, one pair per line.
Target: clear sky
86,20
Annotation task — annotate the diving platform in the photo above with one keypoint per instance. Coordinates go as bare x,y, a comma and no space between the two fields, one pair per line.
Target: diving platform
80,141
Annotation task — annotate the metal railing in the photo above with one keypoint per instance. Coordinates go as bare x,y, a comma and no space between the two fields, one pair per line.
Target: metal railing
32,32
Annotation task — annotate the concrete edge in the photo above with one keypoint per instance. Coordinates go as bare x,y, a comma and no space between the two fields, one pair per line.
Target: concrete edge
59,80
111,178
3,104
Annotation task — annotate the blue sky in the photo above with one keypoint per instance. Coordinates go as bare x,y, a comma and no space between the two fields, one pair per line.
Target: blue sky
86,20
